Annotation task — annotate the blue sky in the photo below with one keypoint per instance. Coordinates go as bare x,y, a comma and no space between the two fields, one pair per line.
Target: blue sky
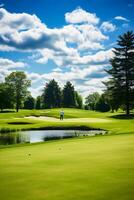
68,40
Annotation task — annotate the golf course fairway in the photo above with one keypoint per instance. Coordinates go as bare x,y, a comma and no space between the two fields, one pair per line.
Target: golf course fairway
88,168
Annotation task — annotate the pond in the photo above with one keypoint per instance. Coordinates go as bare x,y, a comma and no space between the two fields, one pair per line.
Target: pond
44,135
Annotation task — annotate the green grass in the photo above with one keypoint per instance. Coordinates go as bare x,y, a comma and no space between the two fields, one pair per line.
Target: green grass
96,168
74,118
69,113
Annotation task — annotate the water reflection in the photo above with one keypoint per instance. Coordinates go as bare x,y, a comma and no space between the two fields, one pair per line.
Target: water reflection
12,138
44,135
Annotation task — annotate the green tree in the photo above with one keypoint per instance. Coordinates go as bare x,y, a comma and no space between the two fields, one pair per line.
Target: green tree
52,95
91,100
112,95
79,101
18,83
38,103
6,100
69,95
122,70
29,103
102,105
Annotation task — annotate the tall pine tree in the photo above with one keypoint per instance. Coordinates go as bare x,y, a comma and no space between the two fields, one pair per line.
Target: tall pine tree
112,94
52,95
122,71
69,95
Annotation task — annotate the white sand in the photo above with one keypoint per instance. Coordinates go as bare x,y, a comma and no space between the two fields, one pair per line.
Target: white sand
52,119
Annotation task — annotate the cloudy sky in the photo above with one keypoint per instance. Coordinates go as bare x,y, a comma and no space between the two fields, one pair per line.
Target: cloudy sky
68,40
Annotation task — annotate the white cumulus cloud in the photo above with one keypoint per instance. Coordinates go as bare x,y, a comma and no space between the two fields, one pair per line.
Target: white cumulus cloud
77,48
10,64
108,27
7,66
81,16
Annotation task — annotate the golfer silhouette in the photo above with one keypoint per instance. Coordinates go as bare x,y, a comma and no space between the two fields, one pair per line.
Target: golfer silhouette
61,115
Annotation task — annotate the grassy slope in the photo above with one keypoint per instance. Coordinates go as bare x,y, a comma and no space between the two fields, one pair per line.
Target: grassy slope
98,168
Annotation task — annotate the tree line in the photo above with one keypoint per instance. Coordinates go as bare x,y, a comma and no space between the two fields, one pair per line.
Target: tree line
14,94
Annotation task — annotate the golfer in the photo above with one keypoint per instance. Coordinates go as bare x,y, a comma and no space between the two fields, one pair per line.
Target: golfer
61,115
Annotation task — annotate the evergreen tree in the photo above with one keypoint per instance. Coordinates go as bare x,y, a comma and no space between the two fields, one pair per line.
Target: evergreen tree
102,105
112,95
122,71
52,95
29,103
38,103
69,95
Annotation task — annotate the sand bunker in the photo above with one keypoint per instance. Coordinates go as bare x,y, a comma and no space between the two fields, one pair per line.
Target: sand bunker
52,119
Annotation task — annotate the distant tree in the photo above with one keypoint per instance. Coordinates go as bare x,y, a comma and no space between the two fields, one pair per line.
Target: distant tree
18,83
78,99
69,95
112,95
6,100
91,100
38,103
52,95
29,103
86,107
122,71
102,105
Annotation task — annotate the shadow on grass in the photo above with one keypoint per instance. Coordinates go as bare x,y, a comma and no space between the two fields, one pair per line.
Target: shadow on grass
123,116
19,123
7,111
